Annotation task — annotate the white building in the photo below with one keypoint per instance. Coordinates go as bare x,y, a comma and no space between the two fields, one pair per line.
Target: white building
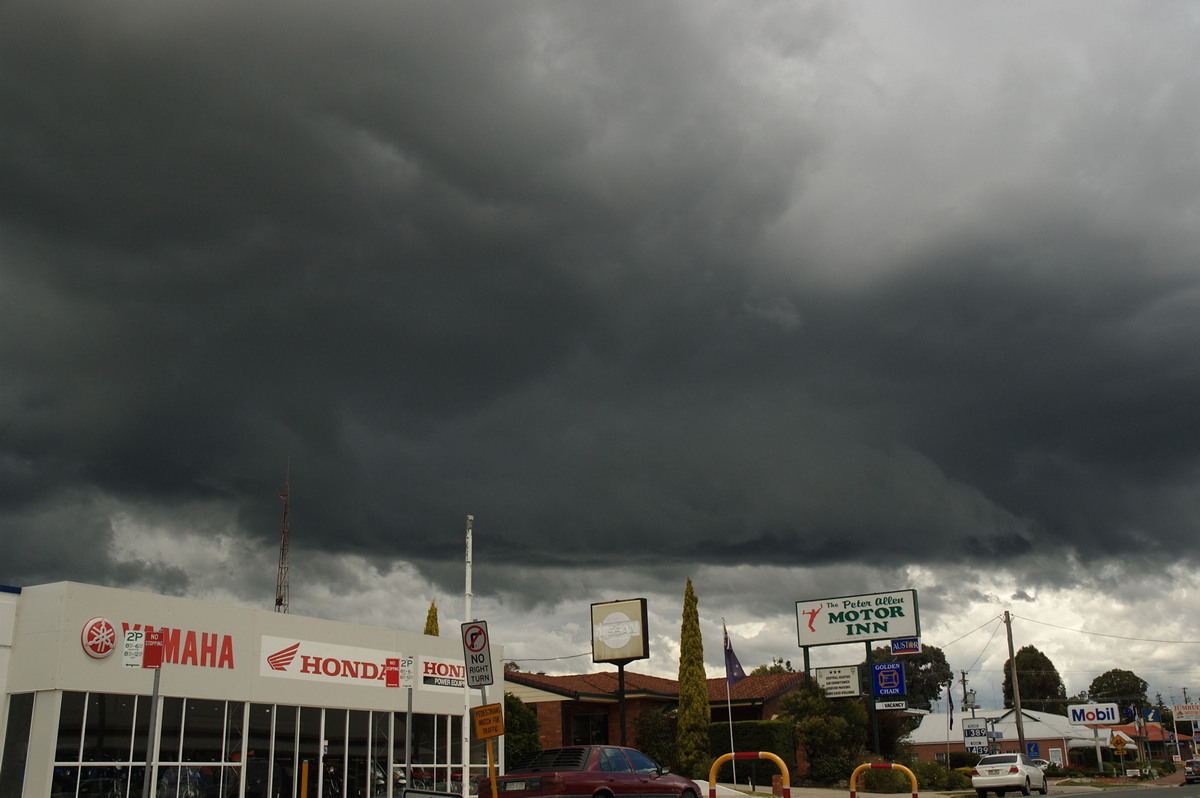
1047,736
250,702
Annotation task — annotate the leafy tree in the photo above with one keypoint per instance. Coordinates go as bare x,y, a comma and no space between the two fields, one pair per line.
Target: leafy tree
778,665
1119,686
1041,687
511,666
522,729
691,739
832,732
431,620
926,673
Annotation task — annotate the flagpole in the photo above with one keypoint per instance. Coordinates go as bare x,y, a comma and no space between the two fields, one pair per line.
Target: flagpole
730,671
729,714
949,719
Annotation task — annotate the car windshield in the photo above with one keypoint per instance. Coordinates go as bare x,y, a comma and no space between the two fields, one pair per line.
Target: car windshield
999,760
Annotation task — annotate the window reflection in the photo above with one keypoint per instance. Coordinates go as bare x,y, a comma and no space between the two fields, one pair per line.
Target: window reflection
227,749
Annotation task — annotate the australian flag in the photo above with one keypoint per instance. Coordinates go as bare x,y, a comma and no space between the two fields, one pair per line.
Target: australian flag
733,668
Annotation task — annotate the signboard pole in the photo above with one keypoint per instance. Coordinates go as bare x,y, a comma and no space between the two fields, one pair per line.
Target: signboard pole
871,703
152,657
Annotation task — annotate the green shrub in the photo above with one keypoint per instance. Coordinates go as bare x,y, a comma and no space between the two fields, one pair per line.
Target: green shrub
964,759
830,769
935,776
886,780
930,775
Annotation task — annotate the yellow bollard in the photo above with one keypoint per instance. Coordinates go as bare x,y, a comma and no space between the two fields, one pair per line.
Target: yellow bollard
723,758
881,766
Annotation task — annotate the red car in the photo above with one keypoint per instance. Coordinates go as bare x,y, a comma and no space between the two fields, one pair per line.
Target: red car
589,771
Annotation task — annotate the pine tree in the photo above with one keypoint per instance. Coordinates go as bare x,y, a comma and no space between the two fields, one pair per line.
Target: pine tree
431,620
691,742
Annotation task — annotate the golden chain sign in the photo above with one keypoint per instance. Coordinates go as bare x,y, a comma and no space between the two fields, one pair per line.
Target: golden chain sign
489,721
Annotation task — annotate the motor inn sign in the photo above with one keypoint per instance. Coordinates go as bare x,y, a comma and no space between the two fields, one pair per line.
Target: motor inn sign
850,619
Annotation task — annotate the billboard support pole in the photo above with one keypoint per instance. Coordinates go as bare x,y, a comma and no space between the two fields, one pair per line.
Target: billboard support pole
871,701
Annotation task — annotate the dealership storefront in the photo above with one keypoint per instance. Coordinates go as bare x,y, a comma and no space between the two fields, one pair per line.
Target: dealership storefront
250,702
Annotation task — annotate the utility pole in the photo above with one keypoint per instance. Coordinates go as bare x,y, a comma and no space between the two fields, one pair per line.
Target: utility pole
968,701
282,591
1012,667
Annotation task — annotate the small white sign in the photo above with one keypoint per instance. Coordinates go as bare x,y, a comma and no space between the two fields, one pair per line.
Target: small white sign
891,705
408,672
839,682
135,643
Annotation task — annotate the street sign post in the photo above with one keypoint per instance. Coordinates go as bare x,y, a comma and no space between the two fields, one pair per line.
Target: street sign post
477,653
489,723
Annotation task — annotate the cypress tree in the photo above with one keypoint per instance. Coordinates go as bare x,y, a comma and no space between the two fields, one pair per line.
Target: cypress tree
431,621
691,742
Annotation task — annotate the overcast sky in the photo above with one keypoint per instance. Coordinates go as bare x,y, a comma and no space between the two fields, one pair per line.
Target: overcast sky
796,299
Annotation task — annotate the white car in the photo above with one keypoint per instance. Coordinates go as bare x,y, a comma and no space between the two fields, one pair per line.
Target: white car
1000,773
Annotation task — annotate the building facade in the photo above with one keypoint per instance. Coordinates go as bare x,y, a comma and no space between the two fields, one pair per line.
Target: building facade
249,702
585,708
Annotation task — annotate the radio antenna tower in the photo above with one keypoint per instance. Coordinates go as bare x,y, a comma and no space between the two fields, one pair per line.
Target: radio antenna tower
281,581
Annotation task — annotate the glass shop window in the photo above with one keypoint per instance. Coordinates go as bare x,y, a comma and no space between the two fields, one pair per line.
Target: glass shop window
70,727
16,744
108,732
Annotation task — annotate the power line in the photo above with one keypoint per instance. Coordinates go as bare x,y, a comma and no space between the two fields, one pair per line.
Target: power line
1102,634
549,659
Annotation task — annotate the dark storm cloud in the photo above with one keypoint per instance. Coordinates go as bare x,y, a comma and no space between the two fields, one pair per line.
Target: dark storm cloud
529,261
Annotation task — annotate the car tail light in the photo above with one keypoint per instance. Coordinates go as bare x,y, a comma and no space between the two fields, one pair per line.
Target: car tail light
1013,769
974,771
552,784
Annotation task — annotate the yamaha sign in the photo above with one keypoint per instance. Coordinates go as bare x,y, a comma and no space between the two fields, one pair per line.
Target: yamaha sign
1093,714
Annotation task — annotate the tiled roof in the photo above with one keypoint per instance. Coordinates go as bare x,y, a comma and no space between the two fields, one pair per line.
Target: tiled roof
1153,732
751,688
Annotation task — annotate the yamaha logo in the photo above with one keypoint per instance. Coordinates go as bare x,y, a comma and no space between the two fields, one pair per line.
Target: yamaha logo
99,638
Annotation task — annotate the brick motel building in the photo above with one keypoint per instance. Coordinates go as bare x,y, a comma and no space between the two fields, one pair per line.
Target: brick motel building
585,708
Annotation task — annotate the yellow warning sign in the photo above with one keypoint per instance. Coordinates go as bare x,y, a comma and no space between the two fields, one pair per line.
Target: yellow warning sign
489,721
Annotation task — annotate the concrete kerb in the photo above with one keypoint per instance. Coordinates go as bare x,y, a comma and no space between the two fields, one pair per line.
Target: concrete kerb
739,791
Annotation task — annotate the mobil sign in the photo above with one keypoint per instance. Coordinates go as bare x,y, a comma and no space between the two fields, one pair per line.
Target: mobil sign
1093,714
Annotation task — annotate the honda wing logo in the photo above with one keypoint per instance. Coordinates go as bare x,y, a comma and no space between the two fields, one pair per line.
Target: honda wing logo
280,660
